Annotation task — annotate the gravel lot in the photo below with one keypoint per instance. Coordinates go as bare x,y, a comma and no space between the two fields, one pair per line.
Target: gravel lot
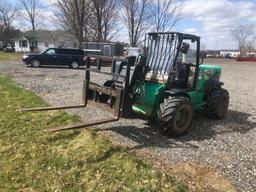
228,145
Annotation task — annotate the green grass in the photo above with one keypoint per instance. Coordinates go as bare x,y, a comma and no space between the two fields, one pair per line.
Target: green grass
10,56
32,160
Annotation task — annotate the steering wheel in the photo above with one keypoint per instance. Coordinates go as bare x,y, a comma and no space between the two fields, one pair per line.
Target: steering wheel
189,63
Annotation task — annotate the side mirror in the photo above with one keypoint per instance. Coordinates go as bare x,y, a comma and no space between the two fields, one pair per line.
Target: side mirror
184,48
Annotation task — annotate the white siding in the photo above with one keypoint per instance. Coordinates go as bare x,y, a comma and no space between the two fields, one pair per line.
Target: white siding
21,49
51,45
41,46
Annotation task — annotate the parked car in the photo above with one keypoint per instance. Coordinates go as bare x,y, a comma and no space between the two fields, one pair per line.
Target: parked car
74,58
228,56
9,49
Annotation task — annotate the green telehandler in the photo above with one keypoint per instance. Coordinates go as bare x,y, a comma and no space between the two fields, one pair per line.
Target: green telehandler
167,83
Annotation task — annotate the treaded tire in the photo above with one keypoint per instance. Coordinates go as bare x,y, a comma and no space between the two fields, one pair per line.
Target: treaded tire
35,63
175,116
217,103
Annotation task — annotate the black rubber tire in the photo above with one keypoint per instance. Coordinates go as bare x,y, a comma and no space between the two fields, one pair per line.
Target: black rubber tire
35,63
167,116
217,103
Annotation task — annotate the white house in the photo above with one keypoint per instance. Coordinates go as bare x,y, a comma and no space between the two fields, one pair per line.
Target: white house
26,44
40,40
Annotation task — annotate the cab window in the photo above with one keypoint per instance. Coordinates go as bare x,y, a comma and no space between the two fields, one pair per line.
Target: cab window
187,60
191,56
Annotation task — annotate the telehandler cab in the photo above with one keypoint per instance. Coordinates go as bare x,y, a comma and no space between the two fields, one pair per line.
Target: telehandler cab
166,83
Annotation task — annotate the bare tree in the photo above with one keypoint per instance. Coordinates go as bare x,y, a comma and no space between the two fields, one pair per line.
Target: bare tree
79,14
250,46
72,16
165,14
8,13
136,17
65,16
104,18
33,11
242,34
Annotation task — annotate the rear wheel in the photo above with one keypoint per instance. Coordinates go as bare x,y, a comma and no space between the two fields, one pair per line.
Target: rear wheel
74,65
35,63
175,116
217,103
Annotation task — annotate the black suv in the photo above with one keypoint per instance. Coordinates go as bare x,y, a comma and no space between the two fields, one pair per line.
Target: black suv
56,56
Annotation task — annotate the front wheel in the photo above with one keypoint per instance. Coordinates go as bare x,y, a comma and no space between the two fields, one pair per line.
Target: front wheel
35,63
175,116
74,65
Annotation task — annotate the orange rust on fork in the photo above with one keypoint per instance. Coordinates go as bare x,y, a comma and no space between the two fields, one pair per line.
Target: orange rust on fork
81,125
51,108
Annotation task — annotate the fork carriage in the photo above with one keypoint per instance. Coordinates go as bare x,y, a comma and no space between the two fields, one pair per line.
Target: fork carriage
95,95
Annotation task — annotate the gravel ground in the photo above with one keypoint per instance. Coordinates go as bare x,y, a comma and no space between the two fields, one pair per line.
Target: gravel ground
228,145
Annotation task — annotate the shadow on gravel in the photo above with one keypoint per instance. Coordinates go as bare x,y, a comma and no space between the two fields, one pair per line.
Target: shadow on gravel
203,129
148,137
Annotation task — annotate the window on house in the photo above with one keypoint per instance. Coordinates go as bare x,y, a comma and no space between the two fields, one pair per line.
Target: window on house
24,43
46,44
35,44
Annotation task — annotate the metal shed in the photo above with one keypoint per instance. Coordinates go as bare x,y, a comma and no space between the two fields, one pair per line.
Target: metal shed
103,48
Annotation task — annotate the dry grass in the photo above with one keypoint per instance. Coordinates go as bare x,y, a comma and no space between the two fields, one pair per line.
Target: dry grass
10,56
198,177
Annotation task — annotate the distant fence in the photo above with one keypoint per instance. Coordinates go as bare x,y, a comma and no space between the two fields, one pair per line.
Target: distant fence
251,59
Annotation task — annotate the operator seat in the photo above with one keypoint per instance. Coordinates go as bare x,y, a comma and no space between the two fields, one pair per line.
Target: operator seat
181,79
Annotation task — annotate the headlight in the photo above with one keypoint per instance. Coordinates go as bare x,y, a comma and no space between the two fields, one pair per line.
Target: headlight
25,56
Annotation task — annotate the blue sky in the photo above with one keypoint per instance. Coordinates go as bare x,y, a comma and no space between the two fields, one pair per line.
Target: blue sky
210,19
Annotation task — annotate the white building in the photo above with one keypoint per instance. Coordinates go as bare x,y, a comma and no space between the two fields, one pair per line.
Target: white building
230,53
37,41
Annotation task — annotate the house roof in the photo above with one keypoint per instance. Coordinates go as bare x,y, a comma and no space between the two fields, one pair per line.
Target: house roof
46,36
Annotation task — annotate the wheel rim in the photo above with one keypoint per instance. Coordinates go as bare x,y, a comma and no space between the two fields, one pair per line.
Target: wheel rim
36,63
178,116
183,118
74,65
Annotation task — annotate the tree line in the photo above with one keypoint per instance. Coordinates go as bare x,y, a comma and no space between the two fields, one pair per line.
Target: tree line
101,20
96,20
